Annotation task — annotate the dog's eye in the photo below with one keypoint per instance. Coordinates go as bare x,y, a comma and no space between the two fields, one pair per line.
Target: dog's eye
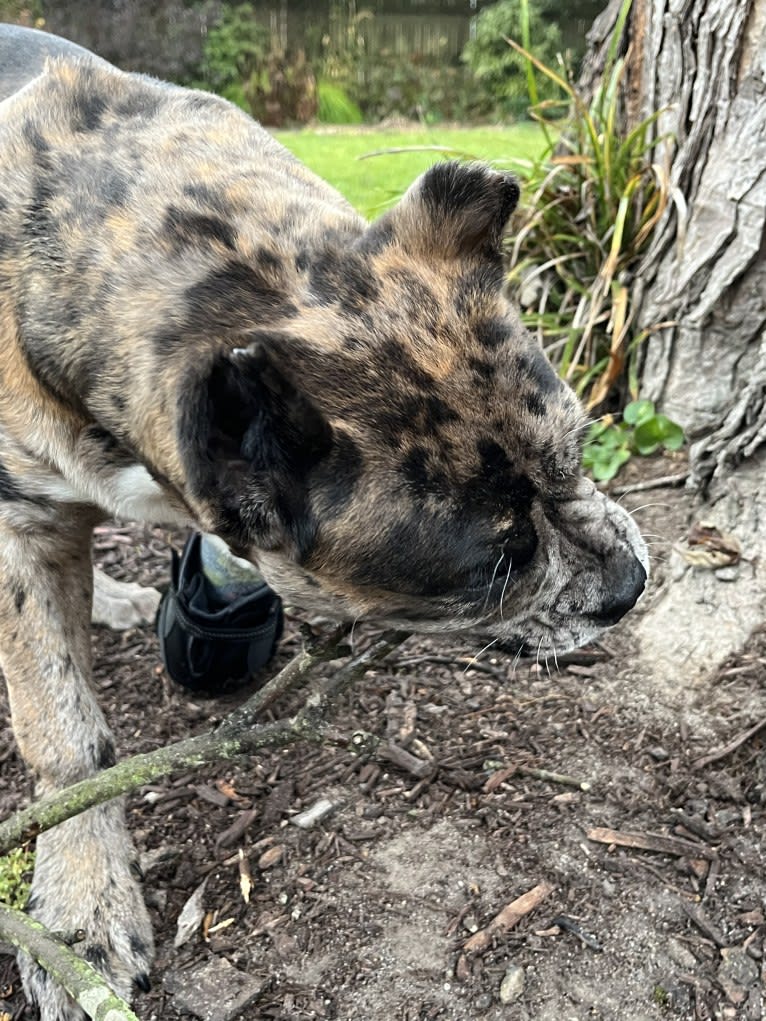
518,543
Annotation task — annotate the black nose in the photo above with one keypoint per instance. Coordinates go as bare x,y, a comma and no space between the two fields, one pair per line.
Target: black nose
628,578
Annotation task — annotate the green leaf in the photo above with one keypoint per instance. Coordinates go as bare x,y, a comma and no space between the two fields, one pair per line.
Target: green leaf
670,433
607,469
638,411
647,436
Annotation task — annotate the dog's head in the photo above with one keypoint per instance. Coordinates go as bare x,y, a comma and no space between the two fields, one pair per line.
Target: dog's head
397,447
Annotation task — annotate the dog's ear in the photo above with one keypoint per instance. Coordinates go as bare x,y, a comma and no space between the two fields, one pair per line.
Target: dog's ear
257,438
452,210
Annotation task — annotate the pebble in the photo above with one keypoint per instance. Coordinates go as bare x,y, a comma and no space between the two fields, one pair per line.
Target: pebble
727,573
736,973
681,955
512,986
214,992
311,816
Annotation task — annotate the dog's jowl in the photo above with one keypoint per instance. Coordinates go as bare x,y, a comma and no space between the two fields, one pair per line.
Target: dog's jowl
196,329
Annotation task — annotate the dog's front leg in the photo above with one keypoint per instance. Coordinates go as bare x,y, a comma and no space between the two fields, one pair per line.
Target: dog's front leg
122,604
85,872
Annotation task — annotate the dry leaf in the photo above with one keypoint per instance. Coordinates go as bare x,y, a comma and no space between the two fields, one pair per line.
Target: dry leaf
245,877
191,916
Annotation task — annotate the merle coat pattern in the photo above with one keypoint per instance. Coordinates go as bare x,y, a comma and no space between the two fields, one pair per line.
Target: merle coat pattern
195,329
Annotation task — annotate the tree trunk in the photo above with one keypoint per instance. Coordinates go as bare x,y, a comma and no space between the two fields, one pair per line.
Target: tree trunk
703,63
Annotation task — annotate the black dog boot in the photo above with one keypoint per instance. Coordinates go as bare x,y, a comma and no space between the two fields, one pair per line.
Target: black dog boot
219,622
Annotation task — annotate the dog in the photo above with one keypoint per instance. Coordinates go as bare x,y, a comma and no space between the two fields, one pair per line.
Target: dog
196,330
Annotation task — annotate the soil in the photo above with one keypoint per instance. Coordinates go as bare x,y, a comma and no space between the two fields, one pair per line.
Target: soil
365,916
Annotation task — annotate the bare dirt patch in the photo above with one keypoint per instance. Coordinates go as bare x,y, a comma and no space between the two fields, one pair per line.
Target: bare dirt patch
364,916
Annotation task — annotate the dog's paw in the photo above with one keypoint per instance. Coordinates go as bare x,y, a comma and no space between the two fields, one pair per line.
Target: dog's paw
122,604
85,886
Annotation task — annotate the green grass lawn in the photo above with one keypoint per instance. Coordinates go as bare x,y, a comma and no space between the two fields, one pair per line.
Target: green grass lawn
373,183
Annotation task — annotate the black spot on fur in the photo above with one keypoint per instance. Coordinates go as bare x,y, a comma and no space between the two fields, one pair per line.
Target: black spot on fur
497,479
183,228
33,137
345,467
113,187
138,946
475,286
96,955
491,333
344,280
88,109
19,598
143,983
118,401
377,237
234,299
535,367
10,490
483,369
140,102
394,356
535,405
207,198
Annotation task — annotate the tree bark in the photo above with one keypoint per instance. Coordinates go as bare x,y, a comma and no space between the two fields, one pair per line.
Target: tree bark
703,63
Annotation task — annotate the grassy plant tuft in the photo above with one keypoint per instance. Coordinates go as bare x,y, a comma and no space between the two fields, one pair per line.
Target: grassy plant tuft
592,201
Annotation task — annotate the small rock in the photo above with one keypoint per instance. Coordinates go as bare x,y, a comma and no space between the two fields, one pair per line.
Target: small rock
658,753
727,573
512,986
483,1002
215,992
681,955
737,972
728,817
191,916
311,816
271,857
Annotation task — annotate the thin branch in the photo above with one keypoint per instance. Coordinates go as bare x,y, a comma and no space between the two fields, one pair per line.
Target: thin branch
80,980
237,735
662,482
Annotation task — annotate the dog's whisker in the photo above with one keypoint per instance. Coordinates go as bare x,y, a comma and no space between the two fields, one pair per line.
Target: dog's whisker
505,586
492,580
480,653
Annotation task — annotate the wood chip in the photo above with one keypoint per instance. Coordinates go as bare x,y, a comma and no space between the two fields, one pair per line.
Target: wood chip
732,746
271,857
652,842
245,877
703,923
510,916
238,828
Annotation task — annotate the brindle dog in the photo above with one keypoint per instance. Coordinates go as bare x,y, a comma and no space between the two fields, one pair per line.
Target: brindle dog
195,329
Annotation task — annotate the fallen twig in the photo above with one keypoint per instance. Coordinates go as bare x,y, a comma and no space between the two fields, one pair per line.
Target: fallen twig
546,774
506,919
732,746
236,735
652,842
658,483
703,923
80,980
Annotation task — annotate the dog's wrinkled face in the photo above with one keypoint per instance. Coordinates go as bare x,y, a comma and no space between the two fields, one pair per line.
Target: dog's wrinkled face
399,448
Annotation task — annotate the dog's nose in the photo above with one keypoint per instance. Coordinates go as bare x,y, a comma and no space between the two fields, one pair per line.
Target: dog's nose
628,580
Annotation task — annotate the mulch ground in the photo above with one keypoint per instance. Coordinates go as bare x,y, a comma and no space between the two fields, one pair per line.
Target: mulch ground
492,777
